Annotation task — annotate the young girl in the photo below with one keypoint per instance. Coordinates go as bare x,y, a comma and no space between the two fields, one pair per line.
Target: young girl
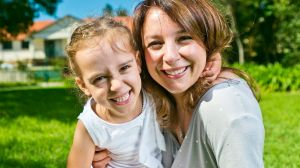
118,115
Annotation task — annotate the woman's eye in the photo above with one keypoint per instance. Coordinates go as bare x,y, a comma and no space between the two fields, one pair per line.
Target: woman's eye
155,45
183,38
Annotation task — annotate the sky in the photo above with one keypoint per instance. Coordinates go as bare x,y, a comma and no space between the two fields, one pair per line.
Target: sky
87,8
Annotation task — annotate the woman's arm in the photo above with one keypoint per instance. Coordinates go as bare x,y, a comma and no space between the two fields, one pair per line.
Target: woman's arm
82,150
233,122
101,158
243,144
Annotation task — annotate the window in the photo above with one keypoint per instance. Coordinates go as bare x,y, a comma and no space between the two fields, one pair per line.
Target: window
25,44
7,45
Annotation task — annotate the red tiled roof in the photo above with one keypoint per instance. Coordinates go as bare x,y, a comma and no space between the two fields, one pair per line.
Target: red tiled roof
37,26
40,25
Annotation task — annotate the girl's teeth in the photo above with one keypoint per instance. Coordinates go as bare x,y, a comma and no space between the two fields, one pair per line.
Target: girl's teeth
176,72
122,98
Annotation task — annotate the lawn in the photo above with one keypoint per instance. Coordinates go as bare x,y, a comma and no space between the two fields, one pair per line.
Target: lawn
36,127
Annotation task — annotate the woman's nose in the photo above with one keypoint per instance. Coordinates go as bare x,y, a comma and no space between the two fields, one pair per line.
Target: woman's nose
171,53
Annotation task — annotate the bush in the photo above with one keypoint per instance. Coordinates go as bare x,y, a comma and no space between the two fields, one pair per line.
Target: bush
273,77
16,84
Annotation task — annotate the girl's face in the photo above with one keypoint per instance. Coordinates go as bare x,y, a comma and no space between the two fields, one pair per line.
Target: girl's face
174,59
111,78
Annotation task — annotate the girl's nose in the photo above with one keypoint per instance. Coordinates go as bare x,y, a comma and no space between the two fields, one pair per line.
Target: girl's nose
115,84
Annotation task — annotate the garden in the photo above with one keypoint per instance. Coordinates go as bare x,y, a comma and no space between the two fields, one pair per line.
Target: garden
37,123
38,113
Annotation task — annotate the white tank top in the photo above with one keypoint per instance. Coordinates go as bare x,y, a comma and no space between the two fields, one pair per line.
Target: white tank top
137,143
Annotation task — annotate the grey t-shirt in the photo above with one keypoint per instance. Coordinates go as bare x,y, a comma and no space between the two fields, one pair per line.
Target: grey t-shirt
226,131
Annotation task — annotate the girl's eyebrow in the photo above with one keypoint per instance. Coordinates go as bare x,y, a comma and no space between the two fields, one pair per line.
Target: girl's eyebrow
127,62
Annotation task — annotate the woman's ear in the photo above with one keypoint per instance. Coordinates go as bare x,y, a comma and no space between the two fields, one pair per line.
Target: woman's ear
82,86
138,61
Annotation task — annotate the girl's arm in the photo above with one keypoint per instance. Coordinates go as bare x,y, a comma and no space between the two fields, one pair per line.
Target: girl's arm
82,150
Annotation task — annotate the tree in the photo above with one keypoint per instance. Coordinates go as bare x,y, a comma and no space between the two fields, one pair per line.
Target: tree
121,12
268,29
108,10
16,16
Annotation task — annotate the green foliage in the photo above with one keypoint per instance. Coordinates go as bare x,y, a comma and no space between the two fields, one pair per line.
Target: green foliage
274,77
269,30
22,66
16,84
108,10
121,12
17,16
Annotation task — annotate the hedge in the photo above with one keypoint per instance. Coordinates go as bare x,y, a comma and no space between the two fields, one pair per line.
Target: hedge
273,77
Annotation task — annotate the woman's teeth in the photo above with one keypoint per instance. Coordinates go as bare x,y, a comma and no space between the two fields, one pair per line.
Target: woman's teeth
175,72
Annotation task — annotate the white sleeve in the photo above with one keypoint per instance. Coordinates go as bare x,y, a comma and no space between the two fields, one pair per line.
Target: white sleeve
233,123
242,144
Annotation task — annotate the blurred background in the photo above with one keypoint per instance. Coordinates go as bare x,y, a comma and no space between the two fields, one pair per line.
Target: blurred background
39,104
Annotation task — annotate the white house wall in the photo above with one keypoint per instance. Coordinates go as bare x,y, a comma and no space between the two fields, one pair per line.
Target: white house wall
38,51
59,31
16,53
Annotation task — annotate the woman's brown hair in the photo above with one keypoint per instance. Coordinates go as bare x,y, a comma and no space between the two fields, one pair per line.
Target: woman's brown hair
206,24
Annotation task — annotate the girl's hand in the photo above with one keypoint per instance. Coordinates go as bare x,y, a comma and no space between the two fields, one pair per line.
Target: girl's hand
101,158
212,68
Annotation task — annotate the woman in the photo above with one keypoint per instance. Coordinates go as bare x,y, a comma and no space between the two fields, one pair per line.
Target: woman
206,125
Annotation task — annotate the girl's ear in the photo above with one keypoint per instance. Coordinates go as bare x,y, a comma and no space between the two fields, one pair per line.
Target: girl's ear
138,61
82,86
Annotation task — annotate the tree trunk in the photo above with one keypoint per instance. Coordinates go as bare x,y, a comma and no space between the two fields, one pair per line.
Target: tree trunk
236,33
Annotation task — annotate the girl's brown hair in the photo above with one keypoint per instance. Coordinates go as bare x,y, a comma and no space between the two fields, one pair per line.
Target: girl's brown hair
103,28
205,23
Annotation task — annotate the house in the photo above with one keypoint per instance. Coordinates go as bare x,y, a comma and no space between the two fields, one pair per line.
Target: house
46,39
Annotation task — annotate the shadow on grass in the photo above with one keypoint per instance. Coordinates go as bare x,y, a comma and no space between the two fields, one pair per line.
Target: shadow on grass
52,103
6,163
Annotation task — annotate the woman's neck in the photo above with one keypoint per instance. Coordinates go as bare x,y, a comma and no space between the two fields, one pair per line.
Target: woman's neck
184,118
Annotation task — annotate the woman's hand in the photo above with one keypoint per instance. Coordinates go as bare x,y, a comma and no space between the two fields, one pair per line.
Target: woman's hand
212,68
101,158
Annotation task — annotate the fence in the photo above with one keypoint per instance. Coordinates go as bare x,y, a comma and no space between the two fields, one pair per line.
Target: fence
14,76
27,76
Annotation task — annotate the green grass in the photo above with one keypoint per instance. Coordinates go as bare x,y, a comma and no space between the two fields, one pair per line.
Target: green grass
36,127
281,113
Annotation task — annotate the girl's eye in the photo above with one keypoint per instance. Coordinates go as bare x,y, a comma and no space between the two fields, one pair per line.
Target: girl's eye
99,79
155,45
125,67
183,38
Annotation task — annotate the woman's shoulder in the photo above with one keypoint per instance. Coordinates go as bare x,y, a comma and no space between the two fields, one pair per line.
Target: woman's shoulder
227,101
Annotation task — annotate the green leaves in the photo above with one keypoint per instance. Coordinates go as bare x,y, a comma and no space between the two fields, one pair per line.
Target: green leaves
274,77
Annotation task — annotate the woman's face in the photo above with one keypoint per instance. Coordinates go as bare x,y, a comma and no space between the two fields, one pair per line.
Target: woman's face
174,59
